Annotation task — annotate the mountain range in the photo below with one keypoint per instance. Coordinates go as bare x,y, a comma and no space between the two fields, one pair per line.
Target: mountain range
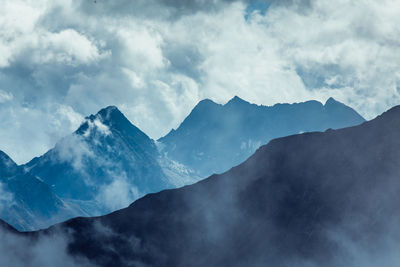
107,163
215,137
312,199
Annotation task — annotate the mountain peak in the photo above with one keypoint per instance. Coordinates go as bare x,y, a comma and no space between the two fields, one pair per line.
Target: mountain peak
204,105
109,113
6,161
205,102
236,101
332,101
332,105
108,109
108,119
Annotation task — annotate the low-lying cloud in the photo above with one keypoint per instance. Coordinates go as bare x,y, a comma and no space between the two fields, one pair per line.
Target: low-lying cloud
117,194
46,251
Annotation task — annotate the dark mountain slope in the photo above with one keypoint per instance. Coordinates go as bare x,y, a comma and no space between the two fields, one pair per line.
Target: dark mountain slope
215,137
314,199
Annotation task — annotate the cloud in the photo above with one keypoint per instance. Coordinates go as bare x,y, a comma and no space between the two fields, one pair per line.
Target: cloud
119,193
96,125
46,251
5,96
75,150
65,47
27,130
156,59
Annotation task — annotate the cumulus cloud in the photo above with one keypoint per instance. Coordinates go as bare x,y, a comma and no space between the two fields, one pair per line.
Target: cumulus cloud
156,59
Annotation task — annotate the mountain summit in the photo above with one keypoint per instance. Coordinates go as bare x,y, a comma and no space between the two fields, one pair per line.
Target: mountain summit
236,101
215,137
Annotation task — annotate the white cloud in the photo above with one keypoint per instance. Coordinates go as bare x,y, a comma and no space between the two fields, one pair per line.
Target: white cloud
17,21
75,150
27,131
353,42
117,194
46,251
5,96
141,47
65,47
99,126
23,38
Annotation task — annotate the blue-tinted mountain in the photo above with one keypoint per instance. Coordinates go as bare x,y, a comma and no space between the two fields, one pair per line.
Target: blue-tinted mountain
215,137
313,199
26,202
7,165
104,165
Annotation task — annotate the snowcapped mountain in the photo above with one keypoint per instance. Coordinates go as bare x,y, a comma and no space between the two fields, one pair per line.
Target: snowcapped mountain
105,165
26,202
215,137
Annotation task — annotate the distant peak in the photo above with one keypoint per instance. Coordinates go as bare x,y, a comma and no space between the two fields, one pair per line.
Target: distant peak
205,104
108,110
236,100
206,101
331,101
109,114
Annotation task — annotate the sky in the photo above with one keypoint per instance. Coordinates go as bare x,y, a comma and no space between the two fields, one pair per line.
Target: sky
62,60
